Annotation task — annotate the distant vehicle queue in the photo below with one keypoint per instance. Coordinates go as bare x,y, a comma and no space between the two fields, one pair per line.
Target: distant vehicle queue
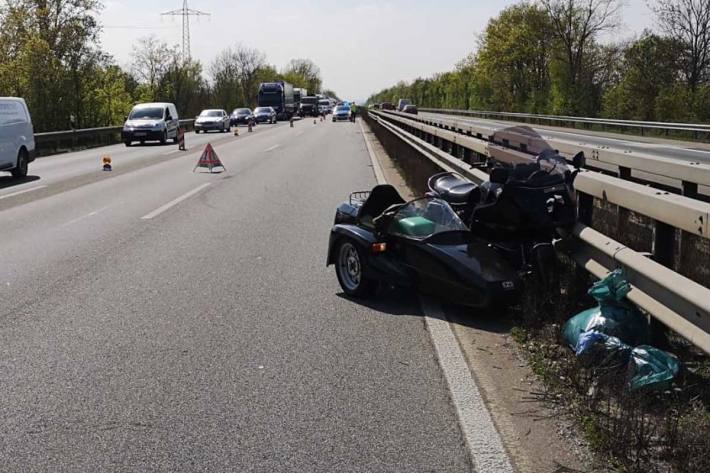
160,121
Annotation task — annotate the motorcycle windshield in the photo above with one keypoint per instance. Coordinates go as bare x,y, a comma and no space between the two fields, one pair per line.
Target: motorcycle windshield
548,169
425,217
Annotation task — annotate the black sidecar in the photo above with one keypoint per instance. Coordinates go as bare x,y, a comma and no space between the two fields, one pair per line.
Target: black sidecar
378,237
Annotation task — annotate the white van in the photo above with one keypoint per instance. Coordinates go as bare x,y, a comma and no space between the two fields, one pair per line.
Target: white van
17,139
151,122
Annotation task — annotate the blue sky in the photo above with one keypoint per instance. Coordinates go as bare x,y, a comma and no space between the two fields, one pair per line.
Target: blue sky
360,46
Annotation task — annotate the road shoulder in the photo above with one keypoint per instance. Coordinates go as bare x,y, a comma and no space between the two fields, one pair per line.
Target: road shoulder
536,436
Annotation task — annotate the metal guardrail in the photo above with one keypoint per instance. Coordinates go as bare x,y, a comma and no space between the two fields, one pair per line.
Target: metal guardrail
68,140
686,176
678,302
643,126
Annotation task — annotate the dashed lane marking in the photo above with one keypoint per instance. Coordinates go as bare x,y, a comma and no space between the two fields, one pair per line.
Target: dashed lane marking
174,202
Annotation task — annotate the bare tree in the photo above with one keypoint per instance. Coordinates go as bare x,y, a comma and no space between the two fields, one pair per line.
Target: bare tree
249,63
577,23
151,60
688,22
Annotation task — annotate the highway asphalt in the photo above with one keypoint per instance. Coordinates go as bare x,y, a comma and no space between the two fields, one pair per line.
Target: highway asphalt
156,319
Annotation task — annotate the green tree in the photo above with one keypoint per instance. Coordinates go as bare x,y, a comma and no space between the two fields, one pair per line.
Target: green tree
303,73
514,57
649,67
576,24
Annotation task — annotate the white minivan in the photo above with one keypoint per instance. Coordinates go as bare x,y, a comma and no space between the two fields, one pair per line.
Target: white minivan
17,139
151,122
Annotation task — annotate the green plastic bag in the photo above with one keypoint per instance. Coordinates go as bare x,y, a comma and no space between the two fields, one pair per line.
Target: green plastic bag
651,368
614,316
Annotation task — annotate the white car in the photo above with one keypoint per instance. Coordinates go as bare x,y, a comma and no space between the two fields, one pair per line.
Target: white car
17,139
213,119
151,122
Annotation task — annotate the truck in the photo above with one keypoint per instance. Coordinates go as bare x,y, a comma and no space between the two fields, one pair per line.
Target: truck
309,106
298,94
279,96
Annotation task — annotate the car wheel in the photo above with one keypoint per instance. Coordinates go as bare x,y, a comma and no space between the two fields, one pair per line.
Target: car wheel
142,142
128,143
22,163
351,269
164,138
197,132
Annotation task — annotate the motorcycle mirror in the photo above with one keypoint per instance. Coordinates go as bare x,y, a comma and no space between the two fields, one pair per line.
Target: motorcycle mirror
578,161
498,175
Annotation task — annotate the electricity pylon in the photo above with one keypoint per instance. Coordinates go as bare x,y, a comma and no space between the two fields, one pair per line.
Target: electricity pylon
185,12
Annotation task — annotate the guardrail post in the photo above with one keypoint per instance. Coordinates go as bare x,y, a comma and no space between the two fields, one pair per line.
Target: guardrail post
624,173
455,150
585,208
663,243
690,189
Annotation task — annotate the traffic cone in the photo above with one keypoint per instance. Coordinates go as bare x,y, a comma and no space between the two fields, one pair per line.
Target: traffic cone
181,139
236,131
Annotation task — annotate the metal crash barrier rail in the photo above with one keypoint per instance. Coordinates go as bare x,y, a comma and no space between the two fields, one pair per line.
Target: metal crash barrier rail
689,177
642,126
678,302
52,142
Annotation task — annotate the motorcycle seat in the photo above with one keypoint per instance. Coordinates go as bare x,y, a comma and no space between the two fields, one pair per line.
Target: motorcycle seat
453,188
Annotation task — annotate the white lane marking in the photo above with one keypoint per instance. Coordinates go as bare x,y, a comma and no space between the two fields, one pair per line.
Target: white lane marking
21,192
482,439
171,152
174,202
379,175
90,214
483,442
271,149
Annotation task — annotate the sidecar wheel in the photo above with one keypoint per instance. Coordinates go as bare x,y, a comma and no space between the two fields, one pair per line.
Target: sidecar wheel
351,269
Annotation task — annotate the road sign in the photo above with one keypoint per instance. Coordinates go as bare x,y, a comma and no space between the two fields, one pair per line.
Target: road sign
209,159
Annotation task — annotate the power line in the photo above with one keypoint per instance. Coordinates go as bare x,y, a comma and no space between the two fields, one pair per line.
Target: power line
185,12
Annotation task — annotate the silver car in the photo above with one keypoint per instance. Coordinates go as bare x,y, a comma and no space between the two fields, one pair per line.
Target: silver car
213,119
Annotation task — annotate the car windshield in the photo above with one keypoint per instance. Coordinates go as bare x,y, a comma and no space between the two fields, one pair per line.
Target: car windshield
262,110
425,217
342,109
146,113
242,111
211,113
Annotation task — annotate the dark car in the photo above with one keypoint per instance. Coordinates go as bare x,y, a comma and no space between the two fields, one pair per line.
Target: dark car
387,106
264,115
240,116
410,109
379,238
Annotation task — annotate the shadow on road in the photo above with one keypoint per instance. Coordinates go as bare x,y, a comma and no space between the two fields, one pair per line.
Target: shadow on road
9,181
403,301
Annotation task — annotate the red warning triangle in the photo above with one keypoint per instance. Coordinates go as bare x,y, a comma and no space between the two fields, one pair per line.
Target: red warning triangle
209,159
